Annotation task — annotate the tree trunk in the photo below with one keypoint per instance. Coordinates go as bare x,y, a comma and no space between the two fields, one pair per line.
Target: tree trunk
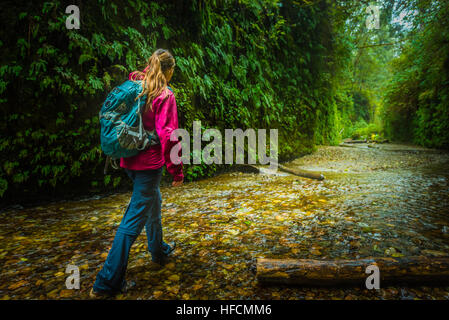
355,141
411,270
348,145
301,173
379,141
248,168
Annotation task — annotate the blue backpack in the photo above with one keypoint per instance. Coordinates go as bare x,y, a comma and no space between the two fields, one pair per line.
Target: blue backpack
122,131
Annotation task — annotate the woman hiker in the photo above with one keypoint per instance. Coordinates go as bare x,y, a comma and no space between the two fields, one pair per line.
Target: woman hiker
145,170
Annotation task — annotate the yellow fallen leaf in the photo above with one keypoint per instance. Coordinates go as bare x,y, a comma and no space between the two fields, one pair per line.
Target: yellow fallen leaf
65,293
53,294
174,277
397,255
234,232
170,265
174,289
228,266
197,286
17,284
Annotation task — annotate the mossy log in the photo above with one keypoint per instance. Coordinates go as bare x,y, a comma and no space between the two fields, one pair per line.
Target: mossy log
247,168
301,173
354,141
308,272
379,141
348,145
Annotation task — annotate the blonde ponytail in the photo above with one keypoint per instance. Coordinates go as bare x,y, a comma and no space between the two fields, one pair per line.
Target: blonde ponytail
154,81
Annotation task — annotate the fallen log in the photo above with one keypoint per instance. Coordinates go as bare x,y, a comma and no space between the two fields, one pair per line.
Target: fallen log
308,272
355,141
302,173
247,168
348,145
379,141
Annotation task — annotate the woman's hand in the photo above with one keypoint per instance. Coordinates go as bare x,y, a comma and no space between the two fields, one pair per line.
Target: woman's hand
177,183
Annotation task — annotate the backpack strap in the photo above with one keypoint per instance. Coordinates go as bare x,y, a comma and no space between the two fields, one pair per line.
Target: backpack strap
110,161
106,165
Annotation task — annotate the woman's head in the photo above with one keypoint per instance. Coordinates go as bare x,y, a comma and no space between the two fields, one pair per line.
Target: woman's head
156,75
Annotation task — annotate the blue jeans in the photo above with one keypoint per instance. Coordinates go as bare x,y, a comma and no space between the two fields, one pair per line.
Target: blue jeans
144,210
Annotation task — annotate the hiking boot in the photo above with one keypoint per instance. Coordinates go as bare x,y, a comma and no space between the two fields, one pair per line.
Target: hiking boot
105,295
127,286
172,248
99,295
158,262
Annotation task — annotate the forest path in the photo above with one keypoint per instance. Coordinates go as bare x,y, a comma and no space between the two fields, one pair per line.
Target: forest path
373,202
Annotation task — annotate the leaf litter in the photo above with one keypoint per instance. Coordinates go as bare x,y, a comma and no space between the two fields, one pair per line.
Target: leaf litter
373,202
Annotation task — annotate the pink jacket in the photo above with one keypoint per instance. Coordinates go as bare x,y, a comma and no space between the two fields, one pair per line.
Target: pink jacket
164,118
